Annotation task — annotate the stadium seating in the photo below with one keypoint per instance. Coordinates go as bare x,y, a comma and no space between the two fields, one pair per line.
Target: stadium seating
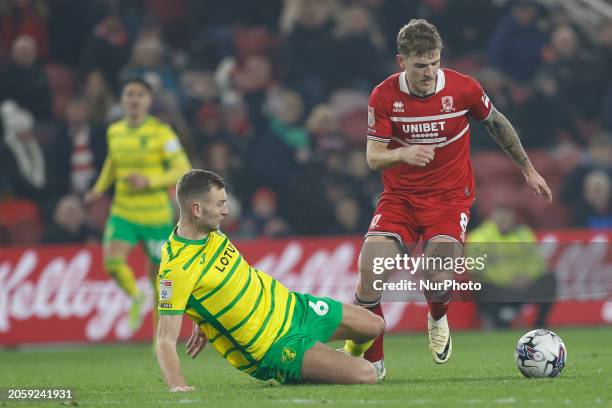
499,181
63,84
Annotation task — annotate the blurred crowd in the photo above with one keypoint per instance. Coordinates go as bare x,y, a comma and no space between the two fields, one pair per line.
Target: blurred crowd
272,95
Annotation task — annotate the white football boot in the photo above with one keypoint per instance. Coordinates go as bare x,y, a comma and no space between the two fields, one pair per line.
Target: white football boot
380,368
440,343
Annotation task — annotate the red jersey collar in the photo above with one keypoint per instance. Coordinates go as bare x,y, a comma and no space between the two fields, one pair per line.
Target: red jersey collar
440,82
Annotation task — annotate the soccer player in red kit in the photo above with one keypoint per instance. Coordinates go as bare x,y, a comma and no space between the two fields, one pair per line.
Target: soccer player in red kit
419,136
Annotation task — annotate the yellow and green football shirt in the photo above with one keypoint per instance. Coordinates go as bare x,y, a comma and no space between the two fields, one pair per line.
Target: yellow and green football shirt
150,149
242,310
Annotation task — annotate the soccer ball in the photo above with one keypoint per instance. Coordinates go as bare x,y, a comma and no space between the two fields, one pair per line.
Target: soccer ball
540,353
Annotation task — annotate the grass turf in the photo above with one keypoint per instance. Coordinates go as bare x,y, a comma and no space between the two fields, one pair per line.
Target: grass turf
481,373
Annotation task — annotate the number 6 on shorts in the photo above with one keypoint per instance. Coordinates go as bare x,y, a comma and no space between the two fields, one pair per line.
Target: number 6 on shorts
320,307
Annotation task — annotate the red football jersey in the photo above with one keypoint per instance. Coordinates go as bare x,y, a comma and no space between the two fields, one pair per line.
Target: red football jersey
399,118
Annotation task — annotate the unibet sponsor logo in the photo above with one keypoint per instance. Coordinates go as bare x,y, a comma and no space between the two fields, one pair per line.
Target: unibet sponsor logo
288,355
424,129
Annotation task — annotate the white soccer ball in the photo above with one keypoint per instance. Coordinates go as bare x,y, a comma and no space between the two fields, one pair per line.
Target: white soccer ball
540,353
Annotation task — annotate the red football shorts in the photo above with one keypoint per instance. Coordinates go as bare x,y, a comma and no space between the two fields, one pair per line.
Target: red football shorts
407,219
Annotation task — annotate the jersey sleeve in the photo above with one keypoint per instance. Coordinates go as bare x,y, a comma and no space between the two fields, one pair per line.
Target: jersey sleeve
174,287
480,105
379,122
171,146
107,175
175,158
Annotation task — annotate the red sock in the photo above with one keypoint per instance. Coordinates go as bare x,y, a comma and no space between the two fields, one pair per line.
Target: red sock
437,310
376,351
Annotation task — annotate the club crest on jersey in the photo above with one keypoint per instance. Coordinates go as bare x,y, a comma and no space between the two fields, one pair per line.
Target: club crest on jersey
447,104
288,355
371,119
398,106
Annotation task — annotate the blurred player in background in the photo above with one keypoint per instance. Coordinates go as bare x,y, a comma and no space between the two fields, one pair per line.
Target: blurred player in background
516,272
418,135
253,321
144,159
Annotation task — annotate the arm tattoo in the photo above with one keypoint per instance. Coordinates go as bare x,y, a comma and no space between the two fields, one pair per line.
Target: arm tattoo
504,134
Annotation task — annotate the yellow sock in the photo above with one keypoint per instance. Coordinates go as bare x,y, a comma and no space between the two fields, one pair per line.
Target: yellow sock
123,275
357,349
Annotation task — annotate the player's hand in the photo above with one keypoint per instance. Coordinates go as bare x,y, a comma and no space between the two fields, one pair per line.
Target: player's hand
92,196
137,181
196,342
182,388
419,156
538,185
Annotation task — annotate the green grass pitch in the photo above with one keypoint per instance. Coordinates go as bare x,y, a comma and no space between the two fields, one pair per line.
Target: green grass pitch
481,373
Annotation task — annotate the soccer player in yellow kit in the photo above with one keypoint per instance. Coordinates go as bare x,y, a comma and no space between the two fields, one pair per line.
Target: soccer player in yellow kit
252,320
144,159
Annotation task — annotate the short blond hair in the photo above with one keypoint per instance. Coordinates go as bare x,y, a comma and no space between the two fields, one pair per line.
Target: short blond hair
419,36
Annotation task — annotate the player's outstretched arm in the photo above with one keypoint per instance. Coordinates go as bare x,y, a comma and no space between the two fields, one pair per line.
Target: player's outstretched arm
379,157
504,134
105,180
167,334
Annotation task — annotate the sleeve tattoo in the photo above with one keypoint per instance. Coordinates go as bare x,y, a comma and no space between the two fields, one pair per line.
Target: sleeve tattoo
504,134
